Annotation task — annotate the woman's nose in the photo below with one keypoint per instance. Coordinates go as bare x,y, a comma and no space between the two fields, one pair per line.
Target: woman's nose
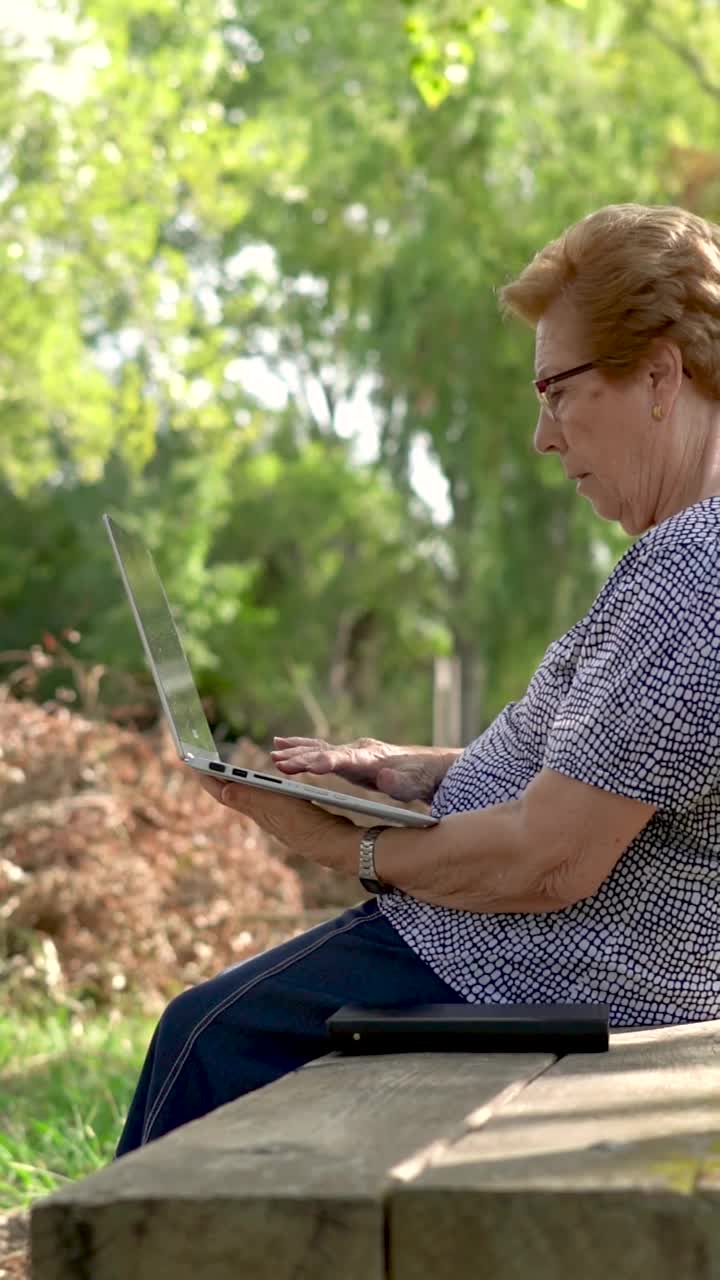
547,433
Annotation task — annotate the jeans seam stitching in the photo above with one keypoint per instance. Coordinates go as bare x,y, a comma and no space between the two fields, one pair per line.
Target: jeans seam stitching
220,1007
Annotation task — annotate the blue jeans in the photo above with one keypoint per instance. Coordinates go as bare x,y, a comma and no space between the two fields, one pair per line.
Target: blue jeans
266,1016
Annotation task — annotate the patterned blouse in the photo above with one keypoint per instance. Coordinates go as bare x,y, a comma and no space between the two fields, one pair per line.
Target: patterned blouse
627,700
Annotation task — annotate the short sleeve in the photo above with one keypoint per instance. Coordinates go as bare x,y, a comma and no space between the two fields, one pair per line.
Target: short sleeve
642,715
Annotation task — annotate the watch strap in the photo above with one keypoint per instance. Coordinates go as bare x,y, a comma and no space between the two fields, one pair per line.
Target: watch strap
367,873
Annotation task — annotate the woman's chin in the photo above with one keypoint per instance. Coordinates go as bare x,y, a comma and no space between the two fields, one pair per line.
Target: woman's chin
630,523
610,509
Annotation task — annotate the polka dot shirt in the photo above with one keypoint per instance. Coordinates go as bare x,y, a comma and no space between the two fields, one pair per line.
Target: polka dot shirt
627,700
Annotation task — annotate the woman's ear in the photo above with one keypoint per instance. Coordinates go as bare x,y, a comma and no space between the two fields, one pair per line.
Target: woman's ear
666,371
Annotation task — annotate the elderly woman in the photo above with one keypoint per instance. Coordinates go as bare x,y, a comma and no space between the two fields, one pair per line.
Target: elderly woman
578,852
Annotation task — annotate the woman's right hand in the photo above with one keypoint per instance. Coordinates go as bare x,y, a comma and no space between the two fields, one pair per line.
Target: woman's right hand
402,773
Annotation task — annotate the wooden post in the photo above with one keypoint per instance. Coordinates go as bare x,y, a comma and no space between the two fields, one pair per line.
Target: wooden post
447,703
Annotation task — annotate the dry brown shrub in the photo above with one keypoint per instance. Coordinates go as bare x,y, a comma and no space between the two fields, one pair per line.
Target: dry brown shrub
14,1246
117,871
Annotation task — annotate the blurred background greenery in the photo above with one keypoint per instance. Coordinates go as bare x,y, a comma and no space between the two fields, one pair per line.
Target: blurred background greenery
248,260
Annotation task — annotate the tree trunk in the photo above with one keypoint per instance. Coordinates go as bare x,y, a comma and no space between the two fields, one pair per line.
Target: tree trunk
472,684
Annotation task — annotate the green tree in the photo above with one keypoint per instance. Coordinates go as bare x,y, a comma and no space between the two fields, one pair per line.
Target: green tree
332,193
412,209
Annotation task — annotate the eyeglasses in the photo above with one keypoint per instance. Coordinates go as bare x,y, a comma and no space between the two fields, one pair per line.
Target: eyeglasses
541,384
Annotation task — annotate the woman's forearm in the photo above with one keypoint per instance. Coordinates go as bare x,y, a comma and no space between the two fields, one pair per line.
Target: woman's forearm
475,861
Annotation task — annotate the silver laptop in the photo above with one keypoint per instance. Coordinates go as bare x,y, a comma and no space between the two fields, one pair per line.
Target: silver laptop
181,701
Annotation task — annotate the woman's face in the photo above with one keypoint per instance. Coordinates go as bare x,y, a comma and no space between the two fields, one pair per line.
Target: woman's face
603,431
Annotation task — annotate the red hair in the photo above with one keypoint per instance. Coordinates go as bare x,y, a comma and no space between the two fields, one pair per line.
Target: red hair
633,273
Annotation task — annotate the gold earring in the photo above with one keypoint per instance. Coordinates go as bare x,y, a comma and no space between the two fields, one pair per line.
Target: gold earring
657,412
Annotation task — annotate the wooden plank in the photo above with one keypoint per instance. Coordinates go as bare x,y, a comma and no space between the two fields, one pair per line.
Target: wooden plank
605,1166
285,1183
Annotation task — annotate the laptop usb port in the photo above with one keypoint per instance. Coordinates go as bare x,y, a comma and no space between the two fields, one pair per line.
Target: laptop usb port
219,768
240,773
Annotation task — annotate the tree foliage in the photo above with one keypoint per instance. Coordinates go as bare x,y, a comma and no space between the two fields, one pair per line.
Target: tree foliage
193,192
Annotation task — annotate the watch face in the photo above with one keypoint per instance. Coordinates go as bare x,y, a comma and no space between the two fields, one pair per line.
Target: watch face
371,886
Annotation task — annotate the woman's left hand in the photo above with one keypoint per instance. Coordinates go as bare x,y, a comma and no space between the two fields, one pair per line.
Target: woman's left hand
301,826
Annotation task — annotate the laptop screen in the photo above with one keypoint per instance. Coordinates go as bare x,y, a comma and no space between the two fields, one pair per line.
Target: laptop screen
162,644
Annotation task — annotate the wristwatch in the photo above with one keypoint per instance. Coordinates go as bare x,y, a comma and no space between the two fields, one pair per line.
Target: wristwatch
366,871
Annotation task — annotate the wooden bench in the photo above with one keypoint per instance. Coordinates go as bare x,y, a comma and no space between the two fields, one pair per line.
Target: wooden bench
422,1167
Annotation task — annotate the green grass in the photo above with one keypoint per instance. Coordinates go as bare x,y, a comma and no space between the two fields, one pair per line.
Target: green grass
66,1080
